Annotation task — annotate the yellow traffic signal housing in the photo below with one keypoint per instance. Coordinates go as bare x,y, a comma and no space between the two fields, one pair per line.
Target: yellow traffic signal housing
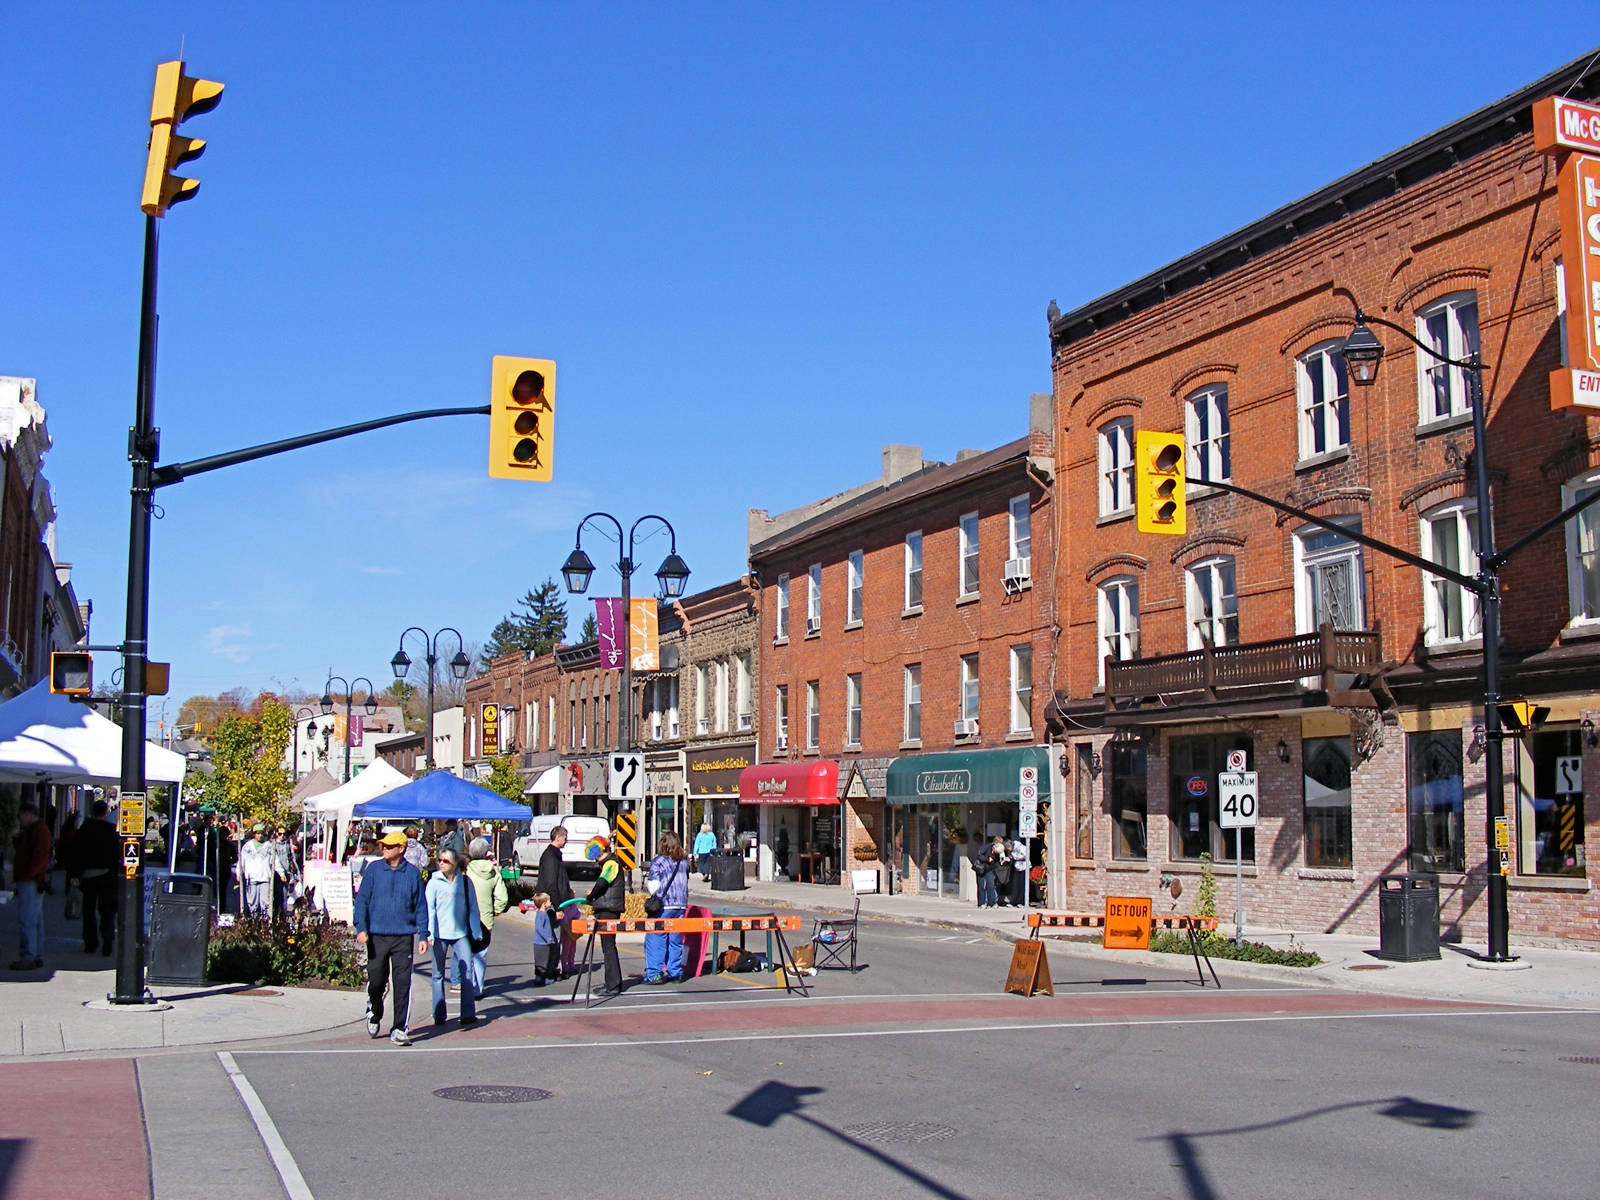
1158,484
522,415
177,97
1519,716
71,672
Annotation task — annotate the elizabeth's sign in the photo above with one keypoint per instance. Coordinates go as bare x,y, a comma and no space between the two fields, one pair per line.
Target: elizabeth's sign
944,783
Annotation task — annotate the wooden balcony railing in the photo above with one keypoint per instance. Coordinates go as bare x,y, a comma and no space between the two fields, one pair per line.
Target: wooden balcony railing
1209,670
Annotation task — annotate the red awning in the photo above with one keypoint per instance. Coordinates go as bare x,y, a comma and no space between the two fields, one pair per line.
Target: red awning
790,783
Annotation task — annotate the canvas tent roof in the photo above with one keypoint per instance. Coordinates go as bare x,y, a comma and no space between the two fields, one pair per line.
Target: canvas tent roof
48,736
313,785
374,781
441,795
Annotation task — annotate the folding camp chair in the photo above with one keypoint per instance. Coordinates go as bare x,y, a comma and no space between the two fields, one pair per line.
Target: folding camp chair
832,936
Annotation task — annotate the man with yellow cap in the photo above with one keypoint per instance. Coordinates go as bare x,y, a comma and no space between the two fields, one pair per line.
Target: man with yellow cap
391,910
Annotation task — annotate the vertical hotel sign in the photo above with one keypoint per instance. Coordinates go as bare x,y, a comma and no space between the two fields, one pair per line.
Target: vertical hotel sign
490,718
1571,132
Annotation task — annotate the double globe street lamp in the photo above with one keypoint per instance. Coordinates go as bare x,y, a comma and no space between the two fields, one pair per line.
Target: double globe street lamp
301,714
459,666
671,576
371,705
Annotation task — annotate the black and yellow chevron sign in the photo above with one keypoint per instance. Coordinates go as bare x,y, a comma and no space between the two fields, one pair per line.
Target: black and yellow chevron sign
628,839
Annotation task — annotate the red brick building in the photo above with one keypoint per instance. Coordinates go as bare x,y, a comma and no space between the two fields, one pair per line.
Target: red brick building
902,632
1351,682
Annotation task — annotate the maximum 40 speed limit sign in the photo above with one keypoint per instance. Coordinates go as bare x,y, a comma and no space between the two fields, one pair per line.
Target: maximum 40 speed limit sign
1237,800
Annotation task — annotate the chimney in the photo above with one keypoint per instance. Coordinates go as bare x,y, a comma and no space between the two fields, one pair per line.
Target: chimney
900,461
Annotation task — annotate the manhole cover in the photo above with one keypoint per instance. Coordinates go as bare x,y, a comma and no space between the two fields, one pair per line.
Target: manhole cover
258,992
899,1131
490,1093
1587,1060
1367,967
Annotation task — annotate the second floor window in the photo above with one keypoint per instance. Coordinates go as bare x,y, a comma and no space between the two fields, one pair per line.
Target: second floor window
719,697
1213,603
913,703
1583,551
1206,428
852,710
1324,399
968,530
813,716
1329,586
783,608
854,567
742,690
1019,522
1021,689
781,714
913,596
813,599
1450,329
702,699
1116,466
1450,611
1119,621
969,687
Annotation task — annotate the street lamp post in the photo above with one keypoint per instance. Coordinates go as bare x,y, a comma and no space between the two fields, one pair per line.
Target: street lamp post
459,665
672,575
326,703
298,714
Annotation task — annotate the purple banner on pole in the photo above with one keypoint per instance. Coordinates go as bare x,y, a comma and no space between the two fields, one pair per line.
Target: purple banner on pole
611,620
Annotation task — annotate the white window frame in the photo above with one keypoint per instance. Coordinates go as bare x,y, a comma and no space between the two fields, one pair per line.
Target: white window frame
742,691
719,698
1322,413
855,569
1586,522
1119,622
1446,320
702,699
1438,593
782,628
1019,527
1116,467
813,714
550,724
852,710
1205,425
970,687
1021,689
674,728
1561,313
780,712
911,724
913,570
813,598
1205,585
1307,563
967,534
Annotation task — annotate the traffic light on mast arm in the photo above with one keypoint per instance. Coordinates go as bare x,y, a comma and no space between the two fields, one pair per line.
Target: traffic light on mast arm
1158,482
522,416
177,97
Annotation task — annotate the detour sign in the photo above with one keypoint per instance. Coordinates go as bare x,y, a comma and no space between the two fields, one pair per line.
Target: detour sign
1127,923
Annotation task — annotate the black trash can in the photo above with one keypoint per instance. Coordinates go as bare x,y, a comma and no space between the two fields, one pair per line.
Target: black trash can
1408,917
180,929
727,873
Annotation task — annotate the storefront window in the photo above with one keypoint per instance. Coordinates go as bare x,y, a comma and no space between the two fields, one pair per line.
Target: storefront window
1436,823
1549,774
1083,847
1129,803
1196,762
1327,801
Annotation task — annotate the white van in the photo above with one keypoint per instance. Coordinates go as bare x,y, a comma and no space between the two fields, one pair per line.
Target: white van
526,850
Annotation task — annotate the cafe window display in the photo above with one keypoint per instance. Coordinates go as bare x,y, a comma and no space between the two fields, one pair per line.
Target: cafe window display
1550,813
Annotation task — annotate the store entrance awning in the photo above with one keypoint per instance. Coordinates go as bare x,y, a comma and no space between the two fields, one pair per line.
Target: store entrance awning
790,783
966,776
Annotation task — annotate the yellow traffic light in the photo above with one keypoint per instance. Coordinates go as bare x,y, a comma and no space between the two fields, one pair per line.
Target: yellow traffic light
71,672
1158,485
522,415
177,97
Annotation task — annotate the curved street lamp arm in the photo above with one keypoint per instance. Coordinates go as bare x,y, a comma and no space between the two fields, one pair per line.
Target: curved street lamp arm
416,629
671,532
1473,363
461,642
579,540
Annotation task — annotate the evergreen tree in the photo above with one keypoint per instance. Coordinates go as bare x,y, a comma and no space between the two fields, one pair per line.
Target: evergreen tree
590,631
535,625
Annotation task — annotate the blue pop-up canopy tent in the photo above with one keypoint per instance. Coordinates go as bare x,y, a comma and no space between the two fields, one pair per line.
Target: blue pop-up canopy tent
439,796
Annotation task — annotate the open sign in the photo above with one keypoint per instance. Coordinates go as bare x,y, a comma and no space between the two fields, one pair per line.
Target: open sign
1198,785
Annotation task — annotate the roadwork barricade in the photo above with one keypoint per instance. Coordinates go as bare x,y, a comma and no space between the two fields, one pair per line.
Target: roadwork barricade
771,924
1132,931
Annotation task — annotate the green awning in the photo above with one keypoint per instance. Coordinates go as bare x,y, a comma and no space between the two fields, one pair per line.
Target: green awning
966,776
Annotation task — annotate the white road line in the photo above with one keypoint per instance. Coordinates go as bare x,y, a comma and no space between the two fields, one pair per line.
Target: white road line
943,1031
293,1182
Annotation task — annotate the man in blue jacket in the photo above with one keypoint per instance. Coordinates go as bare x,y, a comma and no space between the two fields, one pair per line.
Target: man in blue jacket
390,910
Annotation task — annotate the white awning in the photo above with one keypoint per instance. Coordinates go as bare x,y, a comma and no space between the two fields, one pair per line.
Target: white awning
547,783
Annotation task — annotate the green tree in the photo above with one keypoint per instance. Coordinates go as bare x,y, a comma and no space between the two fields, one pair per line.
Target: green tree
590,631
535,625
247,750
503,777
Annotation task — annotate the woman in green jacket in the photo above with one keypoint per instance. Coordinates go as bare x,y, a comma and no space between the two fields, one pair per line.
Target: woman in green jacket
493,900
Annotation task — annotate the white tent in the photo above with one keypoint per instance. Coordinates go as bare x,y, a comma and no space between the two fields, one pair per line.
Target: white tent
44,736
335,806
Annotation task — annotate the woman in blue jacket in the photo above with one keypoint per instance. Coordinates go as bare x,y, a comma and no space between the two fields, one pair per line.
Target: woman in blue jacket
669,871
452,924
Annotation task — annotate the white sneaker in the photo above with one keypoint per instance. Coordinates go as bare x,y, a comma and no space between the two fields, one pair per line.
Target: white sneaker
373,1028
400,1037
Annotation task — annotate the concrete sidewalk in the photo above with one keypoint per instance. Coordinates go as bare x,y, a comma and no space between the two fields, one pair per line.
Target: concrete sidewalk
1544,977
61,1009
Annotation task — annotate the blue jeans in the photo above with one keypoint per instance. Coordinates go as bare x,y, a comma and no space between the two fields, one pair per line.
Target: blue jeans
667,946
463,955
30,918
479,964
988,893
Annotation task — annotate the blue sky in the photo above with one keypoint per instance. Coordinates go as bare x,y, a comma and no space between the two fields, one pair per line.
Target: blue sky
760,243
